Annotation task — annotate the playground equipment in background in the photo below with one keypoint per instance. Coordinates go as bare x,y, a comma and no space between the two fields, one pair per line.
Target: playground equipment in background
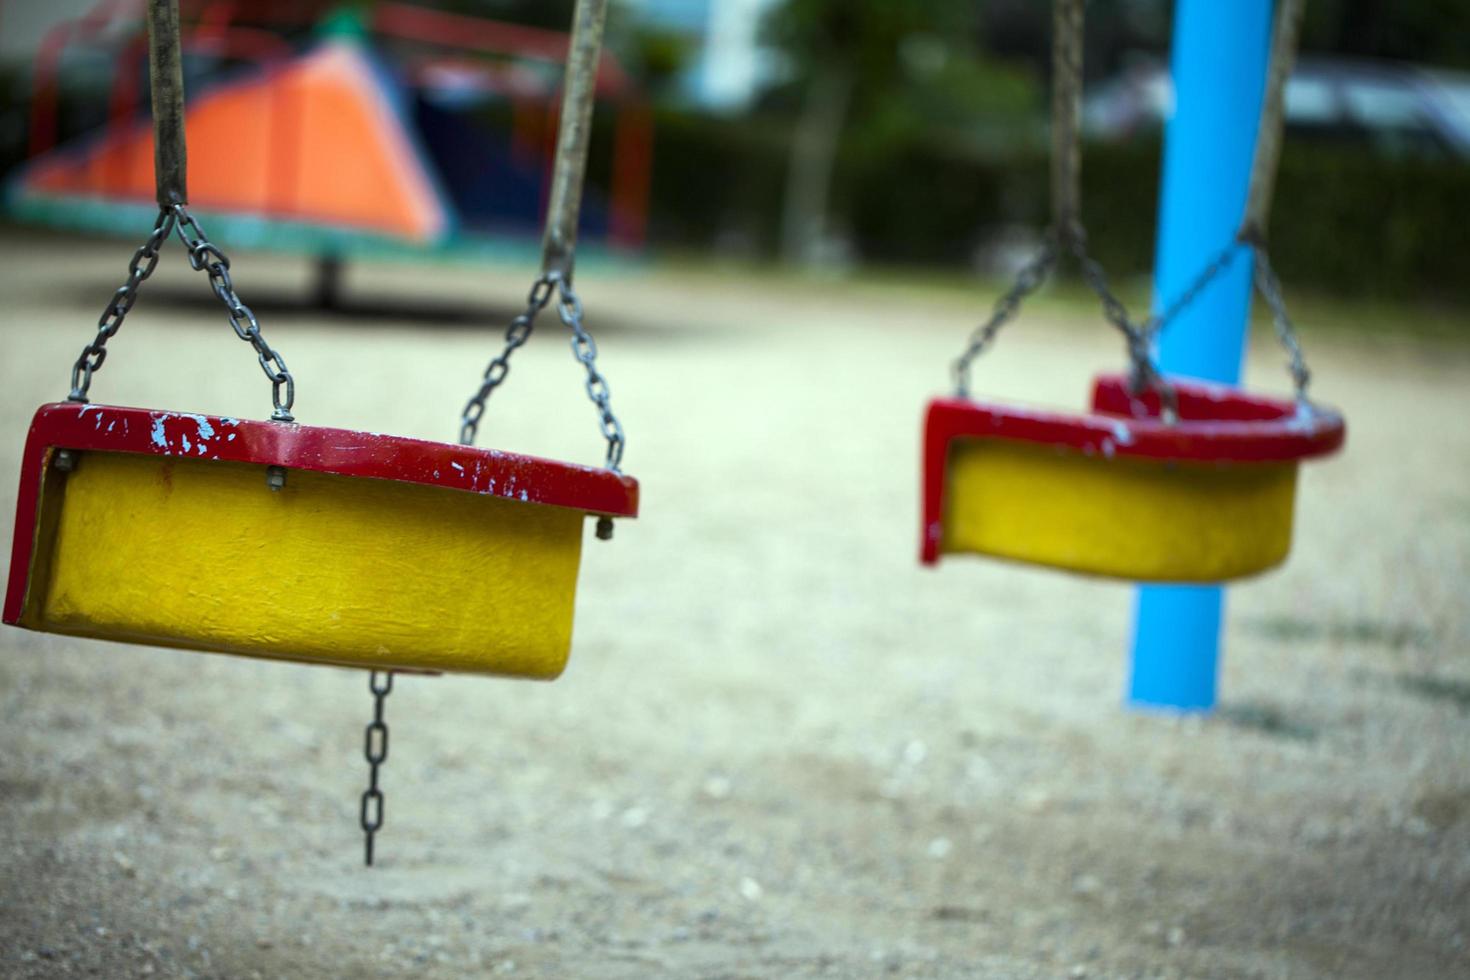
402,92
1165,480
281,540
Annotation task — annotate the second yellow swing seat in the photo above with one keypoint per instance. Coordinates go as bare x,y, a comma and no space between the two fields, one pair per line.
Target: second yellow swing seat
1119,492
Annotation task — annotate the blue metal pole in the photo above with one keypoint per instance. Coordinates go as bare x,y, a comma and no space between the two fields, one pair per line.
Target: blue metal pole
1218,64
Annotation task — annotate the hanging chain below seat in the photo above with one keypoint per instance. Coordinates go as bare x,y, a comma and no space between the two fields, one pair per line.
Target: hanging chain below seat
375,749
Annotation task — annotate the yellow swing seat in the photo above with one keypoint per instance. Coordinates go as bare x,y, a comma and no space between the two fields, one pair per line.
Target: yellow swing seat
301,543
1120,492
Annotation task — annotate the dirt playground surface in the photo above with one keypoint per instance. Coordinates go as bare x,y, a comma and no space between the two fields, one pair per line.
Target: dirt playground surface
781,749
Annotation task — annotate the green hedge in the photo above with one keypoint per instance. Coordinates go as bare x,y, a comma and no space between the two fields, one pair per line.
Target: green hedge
1344,222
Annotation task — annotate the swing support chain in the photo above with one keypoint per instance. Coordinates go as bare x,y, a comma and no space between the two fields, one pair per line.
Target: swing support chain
584,348
1286,32
144,261
166,80
516,335
559,246
1071,239
205,256
375,749
1269,287
1067,235
547,286
1143,373
1028,280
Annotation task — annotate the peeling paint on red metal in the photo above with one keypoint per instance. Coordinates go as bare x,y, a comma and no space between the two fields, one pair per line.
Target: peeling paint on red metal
1217,424
369,455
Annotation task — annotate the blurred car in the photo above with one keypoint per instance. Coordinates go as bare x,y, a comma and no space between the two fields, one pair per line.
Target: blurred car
1398,110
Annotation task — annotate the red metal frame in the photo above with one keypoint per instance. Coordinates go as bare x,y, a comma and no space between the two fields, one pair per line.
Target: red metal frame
631,180
1217,424
629,183
370,455
461,31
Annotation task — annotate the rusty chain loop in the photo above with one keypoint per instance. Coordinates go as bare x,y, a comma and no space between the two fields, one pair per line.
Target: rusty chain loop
205,256
584,348
145,260
375,749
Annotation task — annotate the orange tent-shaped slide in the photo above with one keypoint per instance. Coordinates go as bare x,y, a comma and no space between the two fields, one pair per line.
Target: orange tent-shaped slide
315,141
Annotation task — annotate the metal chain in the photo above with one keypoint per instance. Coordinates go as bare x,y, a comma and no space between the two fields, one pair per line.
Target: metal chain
1027,281
569,307
375,748
515,336
1144,374
1266,283
145,260
1030,278
1270,288
1212,270
205,256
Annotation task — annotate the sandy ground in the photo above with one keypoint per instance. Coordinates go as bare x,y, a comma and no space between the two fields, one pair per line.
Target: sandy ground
782,749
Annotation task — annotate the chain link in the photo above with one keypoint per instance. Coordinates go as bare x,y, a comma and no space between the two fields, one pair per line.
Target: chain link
205,256
375,749
1073,240
1028,280
1270,289
569,308
1144,375
1266,283
516,335
144,261
1212,270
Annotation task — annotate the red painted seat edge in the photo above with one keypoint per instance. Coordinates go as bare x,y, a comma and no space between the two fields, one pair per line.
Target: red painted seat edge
1219,424
370,455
